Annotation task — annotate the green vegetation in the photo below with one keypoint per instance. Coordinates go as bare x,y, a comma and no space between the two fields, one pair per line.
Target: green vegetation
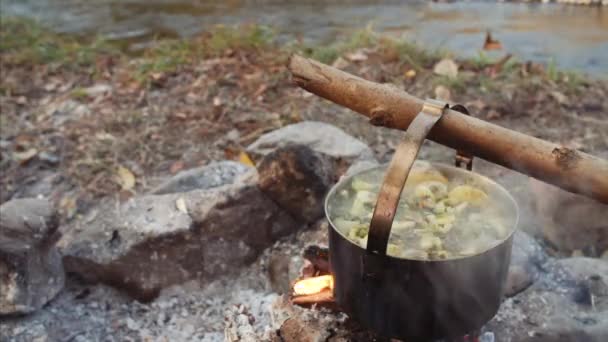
481,60
402,49
24,41
168,55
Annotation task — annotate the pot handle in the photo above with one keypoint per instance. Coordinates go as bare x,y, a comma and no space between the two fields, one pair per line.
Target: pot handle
397,173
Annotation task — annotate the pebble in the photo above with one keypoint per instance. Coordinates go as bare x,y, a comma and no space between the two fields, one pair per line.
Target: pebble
131,324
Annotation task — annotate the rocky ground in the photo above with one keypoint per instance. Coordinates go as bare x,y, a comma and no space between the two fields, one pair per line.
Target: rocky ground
149,162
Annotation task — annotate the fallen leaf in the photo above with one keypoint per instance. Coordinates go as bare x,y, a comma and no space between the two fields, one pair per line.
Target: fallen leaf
98,90
176,167
560,97
125,195
493,114
446,67
125,178
180,204
443,93
340,63
68,206
260,91
244,159
49,158
491,44
475,105
50,86
22,100
410,73
357,56
25,156
105,136
180,116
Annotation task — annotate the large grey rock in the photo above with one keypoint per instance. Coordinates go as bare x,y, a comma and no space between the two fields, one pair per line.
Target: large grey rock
526,257
320,137
204,177
31,272
571,221
297,179
569,302
155,241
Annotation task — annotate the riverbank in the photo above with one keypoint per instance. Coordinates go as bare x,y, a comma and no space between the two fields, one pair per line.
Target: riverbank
83,121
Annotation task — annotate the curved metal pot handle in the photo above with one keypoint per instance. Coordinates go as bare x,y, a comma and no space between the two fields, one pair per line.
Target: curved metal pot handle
397,173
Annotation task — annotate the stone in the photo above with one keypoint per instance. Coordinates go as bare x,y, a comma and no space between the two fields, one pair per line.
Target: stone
297,179
238,326
205,177
570,221
320,137
518,279
446,67
97,90
526,257
296,330
31,271
61,111
149,243
569,302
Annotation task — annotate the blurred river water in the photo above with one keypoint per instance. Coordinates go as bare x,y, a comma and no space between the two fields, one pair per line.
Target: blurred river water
575,37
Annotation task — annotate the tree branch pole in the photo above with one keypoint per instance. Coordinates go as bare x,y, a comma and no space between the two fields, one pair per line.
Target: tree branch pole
391,107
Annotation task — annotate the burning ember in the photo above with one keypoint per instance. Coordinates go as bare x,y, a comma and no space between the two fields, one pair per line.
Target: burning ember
317,284
313,285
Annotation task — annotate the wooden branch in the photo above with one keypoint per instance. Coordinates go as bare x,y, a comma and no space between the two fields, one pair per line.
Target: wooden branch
389,106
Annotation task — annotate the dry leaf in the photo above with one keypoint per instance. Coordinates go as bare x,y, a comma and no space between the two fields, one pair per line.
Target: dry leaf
490,43
125,178
340,63
25,156
410,73
357,56
176,167
446,67
180,116
105,136
244,159
443,93
180,204
68,206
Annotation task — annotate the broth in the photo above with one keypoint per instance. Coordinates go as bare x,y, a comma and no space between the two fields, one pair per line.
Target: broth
441,215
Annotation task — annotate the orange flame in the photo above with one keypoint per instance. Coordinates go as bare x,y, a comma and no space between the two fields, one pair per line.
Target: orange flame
313,285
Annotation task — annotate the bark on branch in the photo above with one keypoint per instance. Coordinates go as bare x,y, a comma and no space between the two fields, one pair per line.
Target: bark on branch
389,106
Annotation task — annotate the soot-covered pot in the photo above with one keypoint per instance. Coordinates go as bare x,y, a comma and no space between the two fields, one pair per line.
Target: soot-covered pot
413,299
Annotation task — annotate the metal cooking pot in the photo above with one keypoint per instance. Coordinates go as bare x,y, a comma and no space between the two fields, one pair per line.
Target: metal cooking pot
417,300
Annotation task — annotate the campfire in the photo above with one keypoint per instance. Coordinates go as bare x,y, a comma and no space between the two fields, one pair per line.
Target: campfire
316,284
315,287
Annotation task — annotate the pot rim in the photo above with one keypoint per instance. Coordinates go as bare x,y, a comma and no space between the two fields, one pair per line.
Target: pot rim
489,181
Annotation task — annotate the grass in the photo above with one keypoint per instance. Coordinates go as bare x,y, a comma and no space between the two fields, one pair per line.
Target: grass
24,41
169,55
455,84
481,60
405,51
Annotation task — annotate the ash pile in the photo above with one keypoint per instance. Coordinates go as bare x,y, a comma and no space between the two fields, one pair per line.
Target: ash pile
212,254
